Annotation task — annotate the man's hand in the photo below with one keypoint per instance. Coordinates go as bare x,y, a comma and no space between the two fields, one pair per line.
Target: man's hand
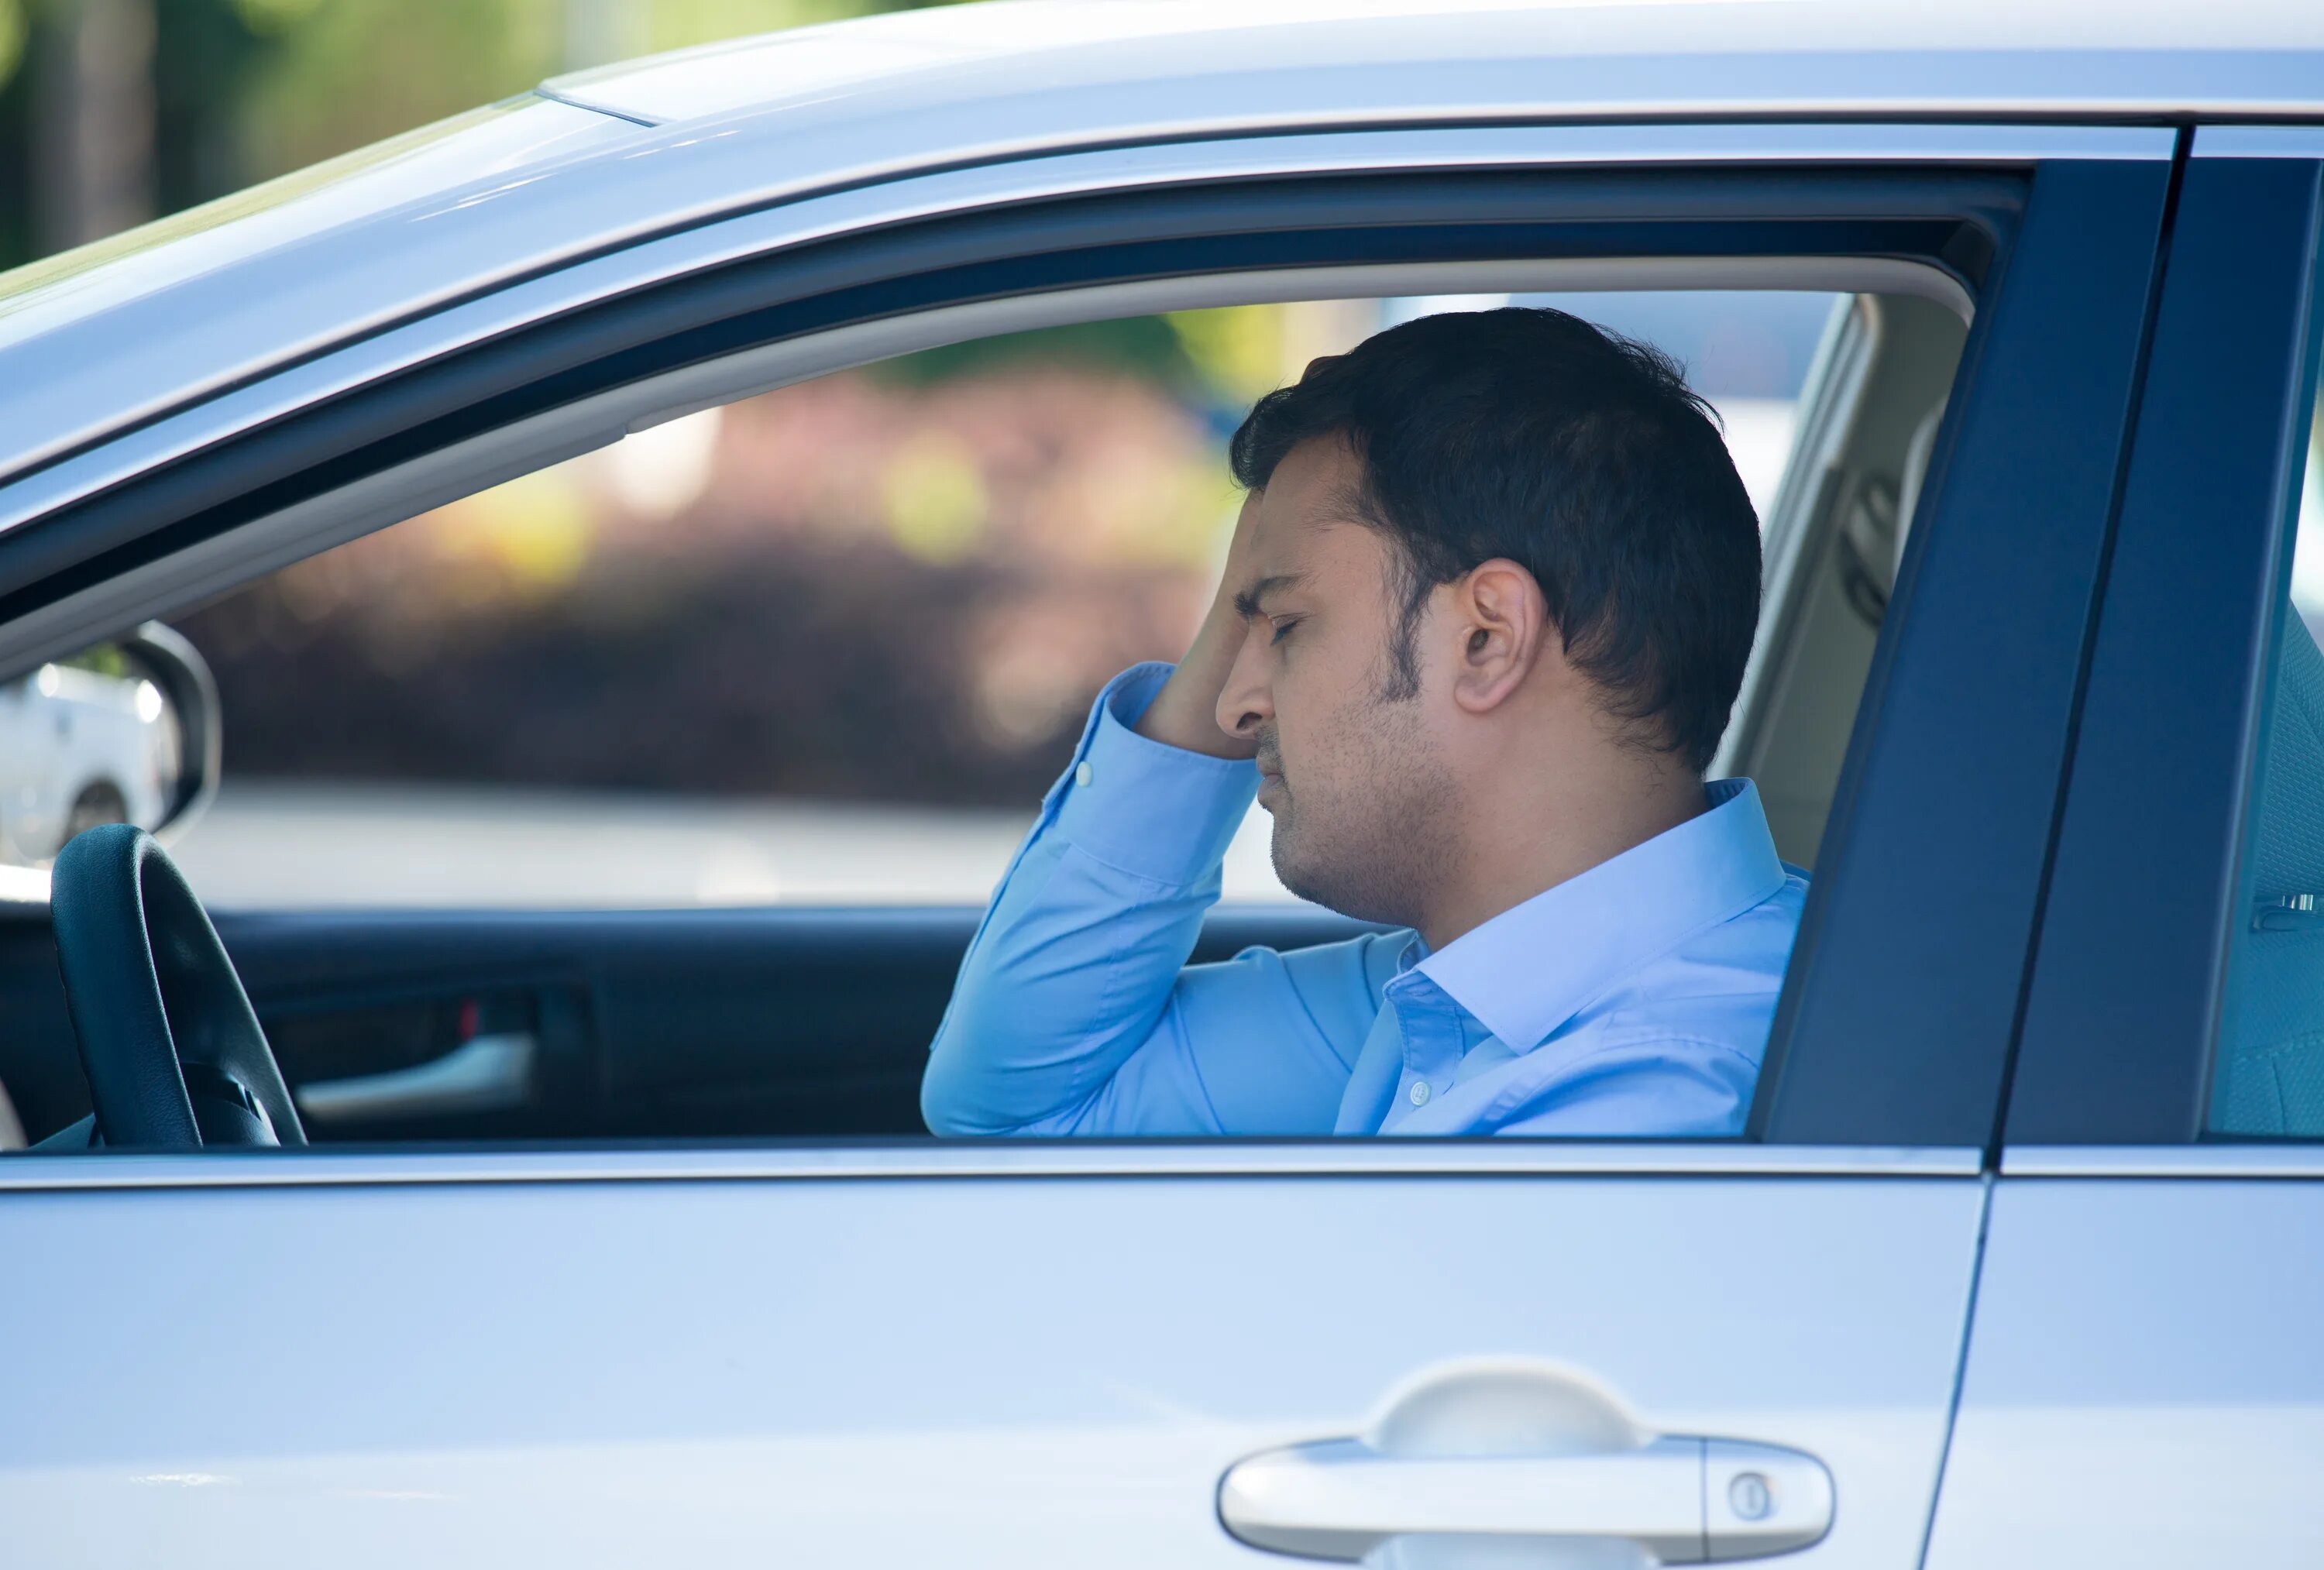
1186,712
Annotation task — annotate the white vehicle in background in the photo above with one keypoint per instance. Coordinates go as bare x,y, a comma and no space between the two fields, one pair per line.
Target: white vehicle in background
98,739
80,748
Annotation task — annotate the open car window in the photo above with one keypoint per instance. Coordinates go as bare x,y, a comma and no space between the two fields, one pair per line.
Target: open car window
828,645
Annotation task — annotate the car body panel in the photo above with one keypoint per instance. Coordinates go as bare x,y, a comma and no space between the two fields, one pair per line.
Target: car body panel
2145,1384
1010,1370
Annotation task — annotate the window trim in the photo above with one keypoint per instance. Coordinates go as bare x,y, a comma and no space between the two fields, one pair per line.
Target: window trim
2269,1161
959,1158
339,419
2124,999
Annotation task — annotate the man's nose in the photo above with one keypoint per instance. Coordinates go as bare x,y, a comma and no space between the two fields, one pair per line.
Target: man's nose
1245,703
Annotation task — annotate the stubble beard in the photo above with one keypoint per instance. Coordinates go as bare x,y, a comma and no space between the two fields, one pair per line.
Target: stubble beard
1368,830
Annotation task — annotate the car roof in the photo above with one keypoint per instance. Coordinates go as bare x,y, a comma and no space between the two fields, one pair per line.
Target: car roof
118,335
2006,58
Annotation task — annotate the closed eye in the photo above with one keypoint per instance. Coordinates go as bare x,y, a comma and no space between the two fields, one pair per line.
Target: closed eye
1283,628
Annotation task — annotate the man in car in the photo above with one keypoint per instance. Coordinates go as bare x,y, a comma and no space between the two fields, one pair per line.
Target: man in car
1482,623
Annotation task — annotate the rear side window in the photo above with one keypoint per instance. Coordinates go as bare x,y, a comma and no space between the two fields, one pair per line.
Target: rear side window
2268,1078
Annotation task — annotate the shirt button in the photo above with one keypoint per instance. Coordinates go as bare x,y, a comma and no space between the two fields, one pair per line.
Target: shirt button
1420,1092
1082,773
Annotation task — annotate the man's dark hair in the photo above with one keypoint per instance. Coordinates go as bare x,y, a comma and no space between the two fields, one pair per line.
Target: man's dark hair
1531,435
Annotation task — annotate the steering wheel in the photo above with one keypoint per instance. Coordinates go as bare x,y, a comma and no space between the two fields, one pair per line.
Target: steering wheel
174,1056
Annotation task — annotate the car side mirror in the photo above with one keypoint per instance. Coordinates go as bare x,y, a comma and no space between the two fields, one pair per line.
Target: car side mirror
122,732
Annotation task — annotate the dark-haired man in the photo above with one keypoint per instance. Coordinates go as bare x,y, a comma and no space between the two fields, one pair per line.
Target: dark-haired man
1482,623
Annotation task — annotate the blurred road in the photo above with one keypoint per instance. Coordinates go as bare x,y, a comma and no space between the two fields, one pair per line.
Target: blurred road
282,846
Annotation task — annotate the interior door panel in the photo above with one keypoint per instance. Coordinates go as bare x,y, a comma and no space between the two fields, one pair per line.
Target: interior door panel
734,1023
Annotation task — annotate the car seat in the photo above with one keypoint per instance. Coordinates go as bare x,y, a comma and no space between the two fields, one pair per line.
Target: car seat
2270,1075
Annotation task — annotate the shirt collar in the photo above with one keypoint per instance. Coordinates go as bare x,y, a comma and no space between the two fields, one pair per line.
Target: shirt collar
1529,970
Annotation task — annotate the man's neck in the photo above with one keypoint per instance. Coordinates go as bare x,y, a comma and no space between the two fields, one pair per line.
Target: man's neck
1530,846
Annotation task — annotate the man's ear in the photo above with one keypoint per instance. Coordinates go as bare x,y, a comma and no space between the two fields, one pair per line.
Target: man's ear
1502,621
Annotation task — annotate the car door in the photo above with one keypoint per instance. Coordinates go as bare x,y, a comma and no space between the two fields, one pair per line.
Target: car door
1430,1353
2144,1384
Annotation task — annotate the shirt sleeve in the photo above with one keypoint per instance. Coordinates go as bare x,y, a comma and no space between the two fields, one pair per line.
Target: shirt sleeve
1076,1011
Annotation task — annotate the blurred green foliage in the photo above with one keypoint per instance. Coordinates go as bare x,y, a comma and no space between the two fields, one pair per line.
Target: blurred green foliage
1140,345
1224,356
106,659
14,26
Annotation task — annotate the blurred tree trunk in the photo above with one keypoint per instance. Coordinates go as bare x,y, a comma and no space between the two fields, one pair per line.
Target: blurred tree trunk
92,129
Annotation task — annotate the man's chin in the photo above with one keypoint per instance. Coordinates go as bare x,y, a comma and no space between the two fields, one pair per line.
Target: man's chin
1345,890
1311,884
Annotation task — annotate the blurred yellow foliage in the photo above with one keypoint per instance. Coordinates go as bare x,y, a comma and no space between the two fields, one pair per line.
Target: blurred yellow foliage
536,531
1237,349
1181,519
681,24
934,497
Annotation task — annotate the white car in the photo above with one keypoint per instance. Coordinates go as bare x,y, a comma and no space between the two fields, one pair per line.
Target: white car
81,747
1994,1278
128,738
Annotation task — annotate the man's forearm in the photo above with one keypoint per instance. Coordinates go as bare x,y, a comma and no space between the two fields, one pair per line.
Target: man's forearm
1069,977
1067,981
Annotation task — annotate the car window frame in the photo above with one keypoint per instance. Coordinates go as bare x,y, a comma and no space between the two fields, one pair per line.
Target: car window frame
2034,240
1945,806
2124,999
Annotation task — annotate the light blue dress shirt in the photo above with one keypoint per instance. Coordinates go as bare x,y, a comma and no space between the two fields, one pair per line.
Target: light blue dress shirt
1633,1000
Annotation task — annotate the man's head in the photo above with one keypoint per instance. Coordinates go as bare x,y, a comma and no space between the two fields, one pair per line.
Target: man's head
1496,560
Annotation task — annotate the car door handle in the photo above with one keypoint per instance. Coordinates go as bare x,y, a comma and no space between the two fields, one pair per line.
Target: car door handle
1683,1500
482,1074
1476,1455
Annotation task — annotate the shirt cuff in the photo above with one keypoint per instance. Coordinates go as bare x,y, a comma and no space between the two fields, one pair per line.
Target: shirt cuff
1144,807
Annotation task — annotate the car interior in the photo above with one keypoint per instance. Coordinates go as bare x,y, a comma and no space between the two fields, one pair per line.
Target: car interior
2269,1079
793,1022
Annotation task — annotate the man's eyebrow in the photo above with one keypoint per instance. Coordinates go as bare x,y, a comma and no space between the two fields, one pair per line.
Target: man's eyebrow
1246,604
